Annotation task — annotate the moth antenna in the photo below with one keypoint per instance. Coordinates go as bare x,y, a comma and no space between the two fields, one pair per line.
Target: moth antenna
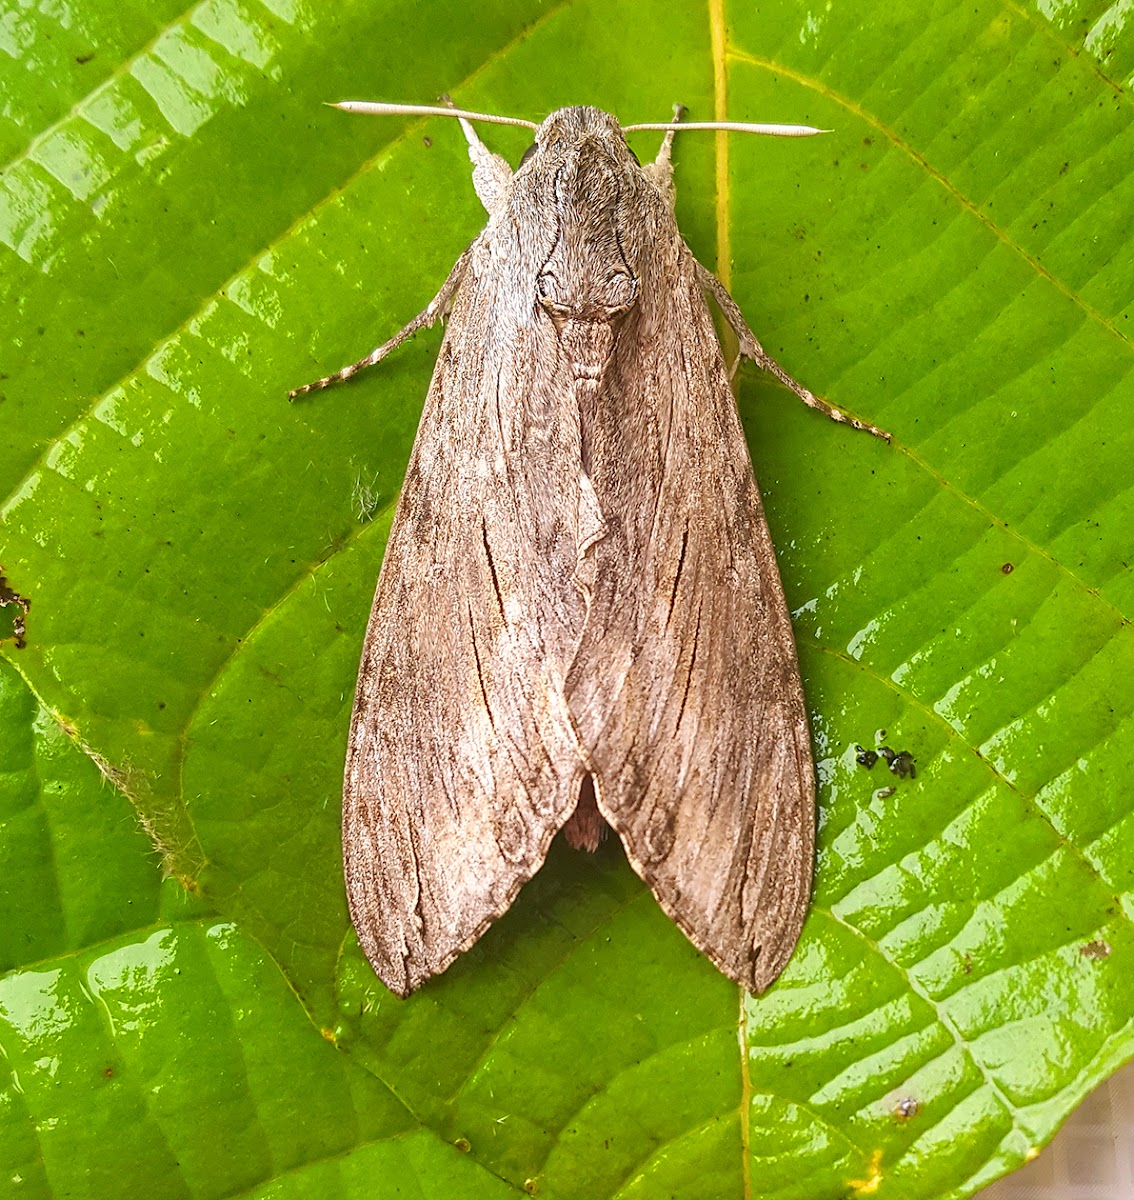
731,127
375,108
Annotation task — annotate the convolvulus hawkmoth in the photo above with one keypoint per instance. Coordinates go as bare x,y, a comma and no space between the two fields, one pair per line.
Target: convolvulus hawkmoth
579,620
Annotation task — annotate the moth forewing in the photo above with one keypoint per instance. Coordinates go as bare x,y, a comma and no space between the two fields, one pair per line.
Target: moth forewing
579,617
702,753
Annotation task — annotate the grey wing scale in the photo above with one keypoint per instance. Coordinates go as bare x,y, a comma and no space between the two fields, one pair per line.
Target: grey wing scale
686,687
462,763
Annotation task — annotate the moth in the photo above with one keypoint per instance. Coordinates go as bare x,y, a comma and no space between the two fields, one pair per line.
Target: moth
579,621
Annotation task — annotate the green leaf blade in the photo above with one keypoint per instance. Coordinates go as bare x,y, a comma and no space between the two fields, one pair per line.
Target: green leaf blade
200,558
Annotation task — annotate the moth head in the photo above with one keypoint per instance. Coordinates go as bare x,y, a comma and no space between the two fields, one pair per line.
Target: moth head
566,128
592,216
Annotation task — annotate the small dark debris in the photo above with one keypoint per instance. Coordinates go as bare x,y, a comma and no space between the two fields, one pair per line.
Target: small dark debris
10,597
900,762
886,792
1007,569
907,1108
83,59
865,758
903,765
427,142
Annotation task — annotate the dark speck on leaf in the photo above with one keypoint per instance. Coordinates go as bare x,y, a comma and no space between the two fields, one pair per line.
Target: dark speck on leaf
865,758
902,765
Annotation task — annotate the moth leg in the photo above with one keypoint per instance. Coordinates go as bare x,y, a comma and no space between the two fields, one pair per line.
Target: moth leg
751,348
437,307
491,173
661,169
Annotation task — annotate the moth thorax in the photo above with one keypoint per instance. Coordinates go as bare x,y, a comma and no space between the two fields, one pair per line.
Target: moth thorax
586,349
586,287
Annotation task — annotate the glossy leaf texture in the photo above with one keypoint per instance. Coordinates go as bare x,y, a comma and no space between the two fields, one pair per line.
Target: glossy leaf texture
186,233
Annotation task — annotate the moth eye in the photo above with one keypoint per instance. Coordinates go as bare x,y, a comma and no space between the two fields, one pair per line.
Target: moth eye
527,154
621,289
550,296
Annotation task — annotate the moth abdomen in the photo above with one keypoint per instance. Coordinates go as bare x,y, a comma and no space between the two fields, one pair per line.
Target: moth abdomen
586,827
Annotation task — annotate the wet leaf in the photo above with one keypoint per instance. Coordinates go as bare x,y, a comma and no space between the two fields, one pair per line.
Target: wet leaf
186,233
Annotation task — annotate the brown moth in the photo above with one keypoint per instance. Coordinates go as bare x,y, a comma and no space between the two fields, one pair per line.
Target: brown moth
579,621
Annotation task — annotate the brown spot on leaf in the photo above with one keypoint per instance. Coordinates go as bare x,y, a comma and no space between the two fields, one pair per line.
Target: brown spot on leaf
10,598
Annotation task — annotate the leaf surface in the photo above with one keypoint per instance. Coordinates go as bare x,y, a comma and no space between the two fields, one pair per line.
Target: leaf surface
186,233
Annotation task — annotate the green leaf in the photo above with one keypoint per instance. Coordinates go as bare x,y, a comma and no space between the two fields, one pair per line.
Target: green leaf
186,233
152,1048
